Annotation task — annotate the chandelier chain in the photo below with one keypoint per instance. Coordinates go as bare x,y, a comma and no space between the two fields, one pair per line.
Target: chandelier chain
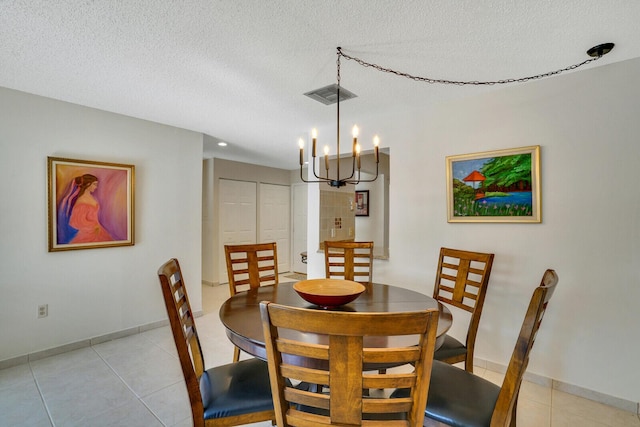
459,82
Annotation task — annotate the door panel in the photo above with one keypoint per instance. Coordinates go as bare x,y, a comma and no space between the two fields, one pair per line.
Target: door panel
274,219
237,208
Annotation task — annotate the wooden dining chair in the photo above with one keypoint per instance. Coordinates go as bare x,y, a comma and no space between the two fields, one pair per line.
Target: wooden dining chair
234,394
339,361
251,266
460,398
349,261
461,280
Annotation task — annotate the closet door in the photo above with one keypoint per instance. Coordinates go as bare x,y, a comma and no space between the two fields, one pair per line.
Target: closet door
237,208
274,221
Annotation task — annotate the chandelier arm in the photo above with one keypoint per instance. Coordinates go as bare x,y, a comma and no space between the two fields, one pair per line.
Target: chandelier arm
463,82
369,180
314,170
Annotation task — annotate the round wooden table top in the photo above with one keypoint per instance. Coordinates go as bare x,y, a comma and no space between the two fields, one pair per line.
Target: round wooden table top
240,314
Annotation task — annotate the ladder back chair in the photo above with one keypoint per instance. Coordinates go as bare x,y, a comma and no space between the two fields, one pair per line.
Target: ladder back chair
349,261
251,266
229,395
460,398
461,281
337,359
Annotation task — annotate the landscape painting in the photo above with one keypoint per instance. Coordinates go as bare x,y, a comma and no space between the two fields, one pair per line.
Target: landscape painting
494,186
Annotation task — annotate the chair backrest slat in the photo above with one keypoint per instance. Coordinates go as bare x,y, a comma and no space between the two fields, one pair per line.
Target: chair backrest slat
338,358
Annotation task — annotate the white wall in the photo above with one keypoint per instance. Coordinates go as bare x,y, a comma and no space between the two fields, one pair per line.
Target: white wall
371,228
91,292
587,126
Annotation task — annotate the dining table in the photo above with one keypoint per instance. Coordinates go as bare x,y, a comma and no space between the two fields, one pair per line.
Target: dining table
240,314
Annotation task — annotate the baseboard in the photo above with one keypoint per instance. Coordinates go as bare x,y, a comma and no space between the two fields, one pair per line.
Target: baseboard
208,283
54,351
616,402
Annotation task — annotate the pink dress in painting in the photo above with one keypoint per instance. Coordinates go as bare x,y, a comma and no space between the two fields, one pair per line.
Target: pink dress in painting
84,218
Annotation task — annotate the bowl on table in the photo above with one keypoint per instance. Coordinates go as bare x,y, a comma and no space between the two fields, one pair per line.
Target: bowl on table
328,293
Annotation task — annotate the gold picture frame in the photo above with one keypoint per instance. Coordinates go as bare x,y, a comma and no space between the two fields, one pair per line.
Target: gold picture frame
495,186
90,204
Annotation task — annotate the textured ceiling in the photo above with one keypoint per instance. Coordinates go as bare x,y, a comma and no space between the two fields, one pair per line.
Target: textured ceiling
237,69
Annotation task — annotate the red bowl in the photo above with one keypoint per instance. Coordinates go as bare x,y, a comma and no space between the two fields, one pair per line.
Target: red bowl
328,293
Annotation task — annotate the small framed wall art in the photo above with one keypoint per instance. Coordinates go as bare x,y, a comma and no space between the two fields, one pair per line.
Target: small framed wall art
90,204
494,186
362,203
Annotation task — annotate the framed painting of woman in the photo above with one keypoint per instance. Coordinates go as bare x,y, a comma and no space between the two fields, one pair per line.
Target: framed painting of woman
91,204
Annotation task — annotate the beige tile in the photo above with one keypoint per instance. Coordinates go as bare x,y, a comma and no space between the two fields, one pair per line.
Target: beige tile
60,363
80,393
568,406
163,338
146,370
535,392
560,418
532,414
21,405
494,377
132,414
130,344
187,422
15,375
171,404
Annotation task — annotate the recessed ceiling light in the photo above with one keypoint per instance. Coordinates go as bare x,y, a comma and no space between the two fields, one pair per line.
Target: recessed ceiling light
222,144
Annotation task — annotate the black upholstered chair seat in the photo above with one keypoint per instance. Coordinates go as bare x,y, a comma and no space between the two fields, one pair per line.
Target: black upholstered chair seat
458,398
450,347
235,389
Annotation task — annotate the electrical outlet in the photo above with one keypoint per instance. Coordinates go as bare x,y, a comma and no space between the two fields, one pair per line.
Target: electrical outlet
333,232
43,310
350,232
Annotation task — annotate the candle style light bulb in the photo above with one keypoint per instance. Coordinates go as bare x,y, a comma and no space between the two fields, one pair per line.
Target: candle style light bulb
354,132
376,143
301,145
314,135
326,158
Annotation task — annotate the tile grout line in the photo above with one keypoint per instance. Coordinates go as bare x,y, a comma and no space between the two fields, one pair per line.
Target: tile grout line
44,402
139,398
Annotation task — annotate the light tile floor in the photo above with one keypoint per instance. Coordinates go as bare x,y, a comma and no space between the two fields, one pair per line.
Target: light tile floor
136,381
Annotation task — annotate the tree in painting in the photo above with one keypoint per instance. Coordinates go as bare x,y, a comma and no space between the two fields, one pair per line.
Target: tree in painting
504,188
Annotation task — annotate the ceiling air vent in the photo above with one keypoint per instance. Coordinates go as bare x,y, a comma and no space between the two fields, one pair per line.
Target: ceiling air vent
328,94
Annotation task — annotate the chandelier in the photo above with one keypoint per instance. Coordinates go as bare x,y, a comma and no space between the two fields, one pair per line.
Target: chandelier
354,176
595,53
